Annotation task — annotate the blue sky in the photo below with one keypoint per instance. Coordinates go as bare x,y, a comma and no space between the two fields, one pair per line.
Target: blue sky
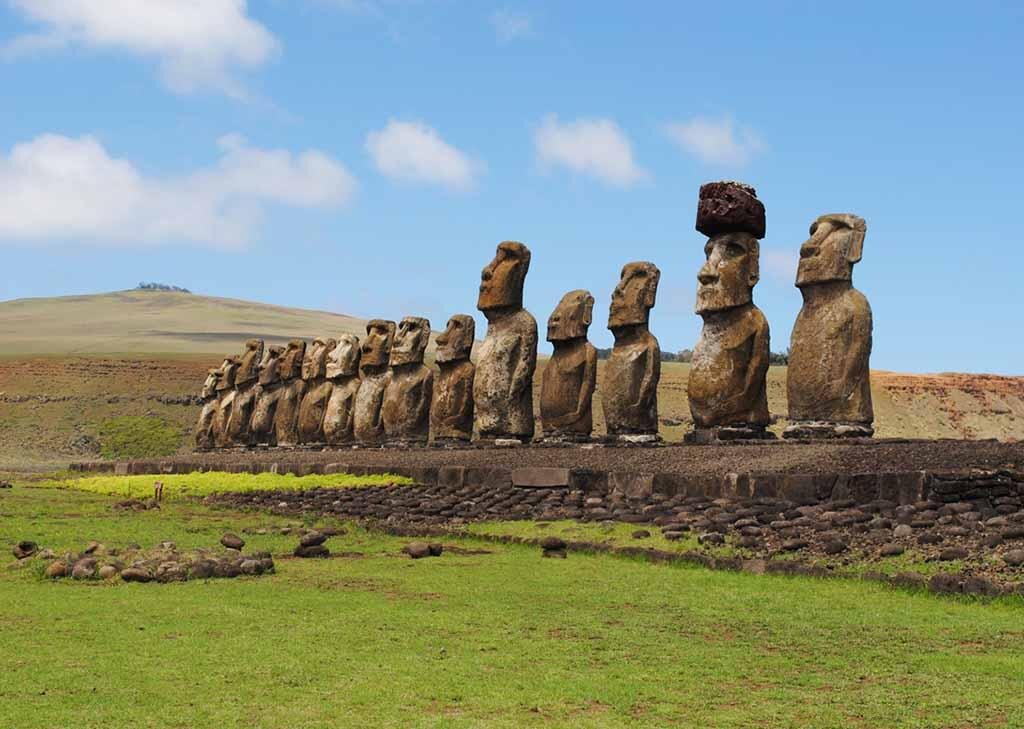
366,156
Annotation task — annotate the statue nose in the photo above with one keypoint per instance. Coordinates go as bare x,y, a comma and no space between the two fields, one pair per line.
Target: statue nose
707,276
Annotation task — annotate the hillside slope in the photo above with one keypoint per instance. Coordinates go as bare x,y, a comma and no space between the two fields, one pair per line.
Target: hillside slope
155,322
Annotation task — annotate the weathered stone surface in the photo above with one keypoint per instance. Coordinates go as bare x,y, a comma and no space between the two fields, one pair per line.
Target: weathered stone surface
56,569
136,574
225,401
729,207
629,389
727,387
318,390
24,549
244,401
293,387
417,550
503,384
204,435
343,373
232,541
107,572
312,539
451,410
570,376
828,382
405,411
367,426
84,569
267,395
541,477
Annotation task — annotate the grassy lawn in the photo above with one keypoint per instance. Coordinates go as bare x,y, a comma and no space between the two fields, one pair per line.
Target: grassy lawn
489,635
211,482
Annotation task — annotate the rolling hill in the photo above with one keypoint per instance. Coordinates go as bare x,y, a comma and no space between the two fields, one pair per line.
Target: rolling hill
80,373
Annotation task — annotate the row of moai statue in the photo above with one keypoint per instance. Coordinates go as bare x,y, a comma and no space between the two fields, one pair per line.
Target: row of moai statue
341,392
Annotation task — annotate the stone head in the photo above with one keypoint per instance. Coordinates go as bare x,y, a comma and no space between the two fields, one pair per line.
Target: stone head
228,371
410,341
571,318
835,245
501,282
728,276
343,360
248,370
291,360
210,384
634,296
314,364
456,341
270,367
376,350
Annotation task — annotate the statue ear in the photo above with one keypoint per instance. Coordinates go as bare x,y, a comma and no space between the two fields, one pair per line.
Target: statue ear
588,311
755,265
855,251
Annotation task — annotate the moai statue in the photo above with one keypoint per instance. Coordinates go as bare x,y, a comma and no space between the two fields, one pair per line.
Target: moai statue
728,399
318,391
367,425
406,407
828,381
570,376
343,373
269,392
503,385
293,387
226,394
246,388
204,426
451,412
629,393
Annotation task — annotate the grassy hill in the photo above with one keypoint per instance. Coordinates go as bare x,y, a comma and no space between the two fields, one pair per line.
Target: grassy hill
113,374
155,322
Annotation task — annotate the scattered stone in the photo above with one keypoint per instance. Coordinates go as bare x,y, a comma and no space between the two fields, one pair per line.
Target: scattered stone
107,572
834,546
950,554
672,536
992,540
84,569
232,541
417,550
436,549
794,545
25,549
641,534
6,485
891,550
711,538
136,574
1013,533
93,548
312,551
1014,558
945,583
312,539
552,543
903,531
57,568
929,538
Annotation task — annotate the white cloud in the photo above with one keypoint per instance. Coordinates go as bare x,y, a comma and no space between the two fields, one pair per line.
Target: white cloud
595,147
716,141
780,265
414,152
57,187
510,26
198,43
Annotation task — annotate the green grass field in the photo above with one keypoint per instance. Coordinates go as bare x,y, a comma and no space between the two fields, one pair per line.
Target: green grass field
485,635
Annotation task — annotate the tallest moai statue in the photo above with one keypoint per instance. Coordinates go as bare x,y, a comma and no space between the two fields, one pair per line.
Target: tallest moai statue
728,399
828,380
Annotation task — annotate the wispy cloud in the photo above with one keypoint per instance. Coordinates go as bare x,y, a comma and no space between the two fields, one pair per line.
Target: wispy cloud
57,187
199,44
510,25
594,147
716,141
415,152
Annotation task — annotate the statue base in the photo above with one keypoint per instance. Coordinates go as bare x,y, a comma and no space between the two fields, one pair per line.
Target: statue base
565,438
406,443
825,430
632,439
505,441
727,433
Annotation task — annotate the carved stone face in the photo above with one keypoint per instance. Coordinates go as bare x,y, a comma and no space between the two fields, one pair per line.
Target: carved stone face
270,367
633,297
730,272
571,318
210,385
343,361
380,334
228,370
836,243
291,360
411,341
456,341
501,282
314,364
248,370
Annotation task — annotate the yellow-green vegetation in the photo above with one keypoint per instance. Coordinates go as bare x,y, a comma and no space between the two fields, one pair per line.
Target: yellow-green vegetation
214,482
486,635
138,436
